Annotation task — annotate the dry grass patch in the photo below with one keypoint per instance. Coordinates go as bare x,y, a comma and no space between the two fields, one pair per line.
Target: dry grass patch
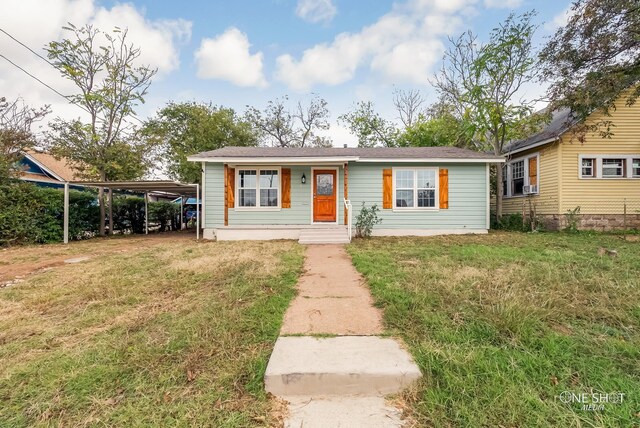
171,333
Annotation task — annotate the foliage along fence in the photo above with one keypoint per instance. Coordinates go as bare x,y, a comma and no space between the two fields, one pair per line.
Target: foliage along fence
32,214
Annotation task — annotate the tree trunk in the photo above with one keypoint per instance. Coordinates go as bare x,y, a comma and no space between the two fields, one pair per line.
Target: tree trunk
498,189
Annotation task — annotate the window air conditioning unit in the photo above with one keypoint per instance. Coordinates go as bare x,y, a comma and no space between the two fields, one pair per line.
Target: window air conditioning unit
527,190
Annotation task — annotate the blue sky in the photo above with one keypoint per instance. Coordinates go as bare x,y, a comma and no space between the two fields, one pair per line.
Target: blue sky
238,53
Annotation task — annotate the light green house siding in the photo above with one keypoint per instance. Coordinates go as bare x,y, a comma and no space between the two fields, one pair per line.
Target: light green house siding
467,197
299,213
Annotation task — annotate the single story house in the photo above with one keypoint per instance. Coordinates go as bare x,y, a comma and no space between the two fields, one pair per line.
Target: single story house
315,194
552,173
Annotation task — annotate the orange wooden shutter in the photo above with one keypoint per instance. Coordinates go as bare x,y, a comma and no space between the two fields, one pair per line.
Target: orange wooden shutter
444,189
533,171
387,189
231,187
285,183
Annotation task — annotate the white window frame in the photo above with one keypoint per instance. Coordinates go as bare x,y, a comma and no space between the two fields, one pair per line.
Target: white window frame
509,175
599,157
258,207
621,167
436,206
594,167
633,173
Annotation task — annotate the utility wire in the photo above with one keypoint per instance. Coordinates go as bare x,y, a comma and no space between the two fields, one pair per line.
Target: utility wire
66,97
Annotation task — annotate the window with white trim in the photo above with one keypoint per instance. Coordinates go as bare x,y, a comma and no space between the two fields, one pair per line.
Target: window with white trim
415,188
520,176
517,178
612,168
609,166
588,168
258,188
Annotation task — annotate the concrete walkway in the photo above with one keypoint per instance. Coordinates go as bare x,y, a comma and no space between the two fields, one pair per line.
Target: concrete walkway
336,381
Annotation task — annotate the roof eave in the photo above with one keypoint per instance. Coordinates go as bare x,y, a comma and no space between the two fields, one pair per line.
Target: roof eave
329,159
533,146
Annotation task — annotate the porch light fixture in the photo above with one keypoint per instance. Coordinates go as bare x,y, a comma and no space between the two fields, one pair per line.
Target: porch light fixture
303,179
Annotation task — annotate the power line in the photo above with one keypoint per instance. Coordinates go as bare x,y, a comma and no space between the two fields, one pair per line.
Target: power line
66,97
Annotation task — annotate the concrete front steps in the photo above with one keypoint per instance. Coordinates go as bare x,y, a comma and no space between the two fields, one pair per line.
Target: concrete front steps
328,235
338,366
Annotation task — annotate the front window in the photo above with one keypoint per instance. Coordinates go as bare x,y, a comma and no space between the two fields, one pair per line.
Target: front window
258,188
517,177
636,167
587,167
613,167
415,188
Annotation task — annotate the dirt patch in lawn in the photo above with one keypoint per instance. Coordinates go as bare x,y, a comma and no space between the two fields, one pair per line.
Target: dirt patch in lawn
19,262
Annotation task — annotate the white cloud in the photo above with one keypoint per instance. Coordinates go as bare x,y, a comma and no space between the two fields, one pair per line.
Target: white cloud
316,10
36,23
227,57
503,4
560,20
401,46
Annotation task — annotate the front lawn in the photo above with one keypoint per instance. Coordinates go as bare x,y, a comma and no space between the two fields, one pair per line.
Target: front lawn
502,325
171,333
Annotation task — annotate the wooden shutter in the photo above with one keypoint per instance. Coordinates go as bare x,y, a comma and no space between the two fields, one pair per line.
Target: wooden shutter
533,171
444,189
285,184
231,187
387,189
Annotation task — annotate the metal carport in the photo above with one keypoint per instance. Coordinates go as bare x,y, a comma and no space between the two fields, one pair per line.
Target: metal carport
166,186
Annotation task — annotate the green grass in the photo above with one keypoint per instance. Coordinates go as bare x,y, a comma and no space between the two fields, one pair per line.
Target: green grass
501,325
177,334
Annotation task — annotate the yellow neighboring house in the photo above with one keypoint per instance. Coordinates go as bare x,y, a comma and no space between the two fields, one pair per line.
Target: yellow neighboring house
552,173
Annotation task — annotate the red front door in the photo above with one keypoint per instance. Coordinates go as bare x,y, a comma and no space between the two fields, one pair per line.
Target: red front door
324,195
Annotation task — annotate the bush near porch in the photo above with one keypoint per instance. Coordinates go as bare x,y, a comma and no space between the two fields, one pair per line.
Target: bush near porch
501,325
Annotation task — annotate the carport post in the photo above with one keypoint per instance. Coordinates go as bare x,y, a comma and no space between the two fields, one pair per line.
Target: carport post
181,212
66,214
197,211
146,213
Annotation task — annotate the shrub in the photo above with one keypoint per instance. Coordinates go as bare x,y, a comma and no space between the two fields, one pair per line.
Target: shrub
128,214
572,217
512,222
32,214
164,214
366,219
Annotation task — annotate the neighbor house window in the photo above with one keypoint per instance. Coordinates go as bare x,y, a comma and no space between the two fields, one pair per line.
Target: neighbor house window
636,167
517,177
613,167
588,168
416,188
258,188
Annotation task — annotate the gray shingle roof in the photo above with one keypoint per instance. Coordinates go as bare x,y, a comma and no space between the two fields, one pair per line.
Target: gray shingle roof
561,121
363,153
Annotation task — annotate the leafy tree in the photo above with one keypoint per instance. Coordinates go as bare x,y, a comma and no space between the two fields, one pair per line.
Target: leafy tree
439,127
16,135
279,126
180,130
481,81
370,127
110,86
595,59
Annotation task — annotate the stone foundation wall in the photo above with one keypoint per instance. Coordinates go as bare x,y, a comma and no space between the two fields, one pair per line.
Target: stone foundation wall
597,222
